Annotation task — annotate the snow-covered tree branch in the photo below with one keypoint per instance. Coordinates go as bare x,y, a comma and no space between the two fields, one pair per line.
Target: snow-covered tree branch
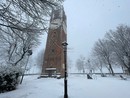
21,24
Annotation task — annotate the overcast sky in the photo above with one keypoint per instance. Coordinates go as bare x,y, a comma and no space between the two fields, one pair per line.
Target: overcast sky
88,20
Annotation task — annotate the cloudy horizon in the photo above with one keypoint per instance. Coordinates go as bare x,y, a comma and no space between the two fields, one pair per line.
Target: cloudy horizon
89,20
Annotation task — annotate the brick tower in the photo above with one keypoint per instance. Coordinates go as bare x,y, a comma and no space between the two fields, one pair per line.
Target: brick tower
53,56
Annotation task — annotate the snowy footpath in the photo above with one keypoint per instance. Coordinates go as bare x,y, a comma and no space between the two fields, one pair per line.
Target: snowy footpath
78,87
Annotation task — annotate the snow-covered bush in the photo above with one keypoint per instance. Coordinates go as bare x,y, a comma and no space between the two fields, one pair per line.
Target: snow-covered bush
9,77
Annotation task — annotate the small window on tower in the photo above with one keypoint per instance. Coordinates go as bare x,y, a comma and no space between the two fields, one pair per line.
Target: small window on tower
54,34
53,50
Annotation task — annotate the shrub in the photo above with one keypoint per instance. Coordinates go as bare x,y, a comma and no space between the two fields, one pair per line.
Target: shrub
9,78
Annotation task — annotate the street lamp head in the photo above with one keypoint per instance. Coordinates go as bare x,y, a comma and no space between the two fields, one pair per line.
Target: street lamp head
64,43
29,52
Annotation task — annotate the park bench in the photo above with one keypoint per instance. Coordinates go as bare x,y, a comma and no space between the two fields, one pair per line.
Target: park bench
89,77
123,78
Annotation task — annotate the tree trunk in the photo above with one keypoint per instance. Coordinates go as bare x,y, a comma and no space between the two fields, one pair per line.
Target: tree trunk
112,72
129,70
108,69
122,69
101,71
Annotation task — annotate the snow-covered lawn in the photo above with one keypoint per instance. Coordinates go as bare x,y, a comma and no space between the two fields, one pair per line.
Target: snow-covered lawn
78,87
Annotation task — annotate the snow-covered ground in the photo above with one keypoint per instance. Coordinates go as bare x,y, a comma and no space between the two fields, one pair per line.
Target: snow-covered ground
78,87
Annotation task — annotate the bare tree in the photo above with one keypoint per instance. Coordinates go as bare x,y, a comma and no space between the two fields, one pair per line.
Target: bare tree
97,63
16,45
103,50
22,14
120,42
80,64
90,65
21,24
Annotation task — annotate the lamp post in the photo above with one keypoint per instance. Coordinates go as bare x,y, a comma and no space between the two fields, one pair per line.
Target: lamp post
64,44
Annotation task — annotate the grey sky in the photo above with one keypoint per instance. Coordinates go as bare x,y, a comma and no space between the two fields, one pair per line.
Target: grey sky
88,20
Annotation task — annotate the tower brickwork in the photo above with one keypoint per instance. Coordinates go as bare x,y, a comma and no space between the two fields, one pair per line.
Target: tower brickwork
53,56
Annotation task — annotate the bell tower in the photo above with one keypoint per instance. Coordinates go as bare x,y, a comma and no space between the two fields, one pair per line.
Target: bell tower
53,56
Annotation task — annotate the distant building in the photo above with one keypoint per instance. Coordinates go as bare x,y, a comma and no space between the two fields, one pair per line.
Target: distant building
53,57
